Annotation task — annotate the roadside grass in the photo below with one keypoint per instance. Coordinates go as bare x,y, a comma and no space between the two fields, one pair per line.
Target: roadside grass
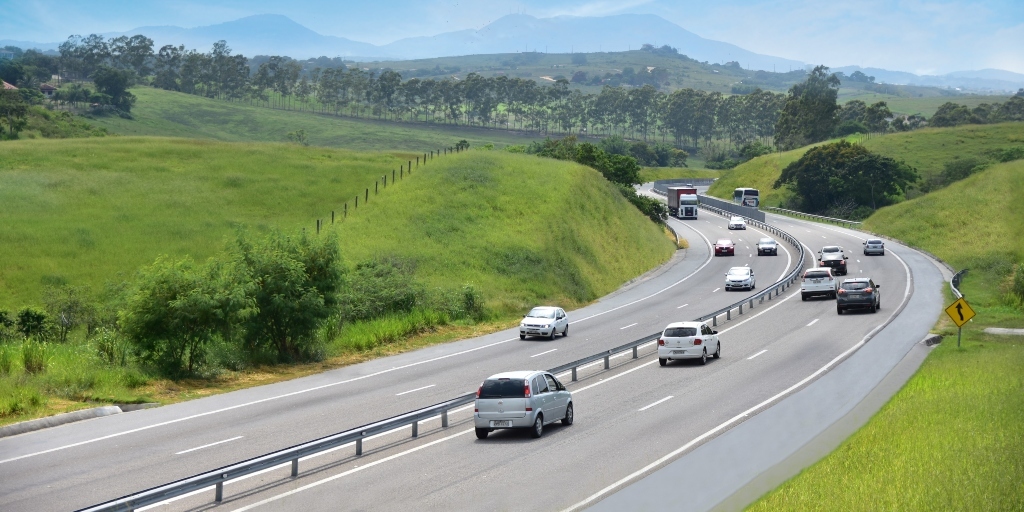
173,114
953,437
927,149
520,230
648,174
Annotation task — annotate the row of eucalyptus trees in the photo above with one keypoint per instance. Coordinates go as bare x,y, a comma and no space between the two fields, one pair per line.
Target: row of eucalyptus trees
689,117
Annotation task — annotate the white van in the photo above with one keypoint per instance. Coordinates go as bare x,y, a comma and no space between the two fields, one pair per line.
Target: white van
818,281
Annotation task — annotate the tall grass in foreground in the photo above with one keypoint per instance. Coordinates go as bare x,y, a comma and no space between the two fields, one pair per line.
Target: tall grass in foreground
953,437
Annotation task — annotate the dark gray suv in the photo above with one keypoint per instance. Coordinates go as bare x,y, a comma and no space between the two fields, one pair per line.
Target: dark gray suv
860,292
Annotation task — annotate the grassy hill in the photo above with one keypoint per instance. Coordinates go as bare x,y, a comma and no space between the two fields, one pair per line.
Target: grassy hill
909,456
83,211
173,114
927,150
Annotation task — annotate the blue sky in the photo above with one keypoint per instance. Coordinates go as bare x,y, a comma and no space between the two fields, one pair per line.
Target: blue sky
920,36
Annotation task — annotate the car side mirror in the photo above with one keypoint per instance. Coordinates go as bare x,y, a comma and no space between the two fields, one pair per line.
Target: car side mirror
878,286
846,257
714,332
864,243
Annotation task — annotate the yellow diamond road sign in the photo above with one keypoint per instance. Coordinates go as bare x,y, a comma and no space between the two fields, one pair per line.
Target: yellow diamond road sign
960,312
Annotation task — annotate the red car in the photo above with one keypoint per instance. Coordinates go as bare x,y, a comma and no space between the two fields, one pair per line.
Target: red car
725,246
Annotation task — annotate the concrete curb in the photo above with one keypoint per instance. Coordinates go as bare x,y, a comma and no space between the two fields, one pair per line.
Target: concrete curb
70,417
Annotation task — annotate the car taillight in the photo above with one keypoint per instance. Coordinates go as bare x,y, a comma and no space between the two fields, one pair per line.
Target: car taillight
697,341
822,262
661,342
526,390
868,290
842,262
842,291
478,391
529,409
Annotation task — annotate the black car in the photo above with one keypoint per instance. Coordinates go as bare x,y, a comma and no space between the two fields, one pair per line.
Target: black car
832,256
859,292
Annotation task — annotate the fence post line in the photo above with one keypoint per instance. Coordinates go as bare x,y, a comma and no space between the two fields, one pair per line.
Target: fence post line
416,429
410,165
574,374
367,198
332,216
607,362
634,353
219,494
295,468
376,187
392,176
444,418
345,212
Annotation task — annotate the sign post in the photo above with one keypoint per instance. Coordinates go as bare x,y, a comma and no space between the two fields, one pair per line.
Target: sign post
960,312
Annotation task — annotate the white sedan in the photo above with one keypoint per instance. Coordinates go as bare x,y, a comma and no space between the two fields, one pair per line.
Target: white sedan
740,278
544,321
737,223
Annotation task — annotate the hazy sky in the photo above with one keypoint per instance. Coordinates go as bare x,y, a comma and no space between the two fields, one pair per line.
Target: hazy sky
921,36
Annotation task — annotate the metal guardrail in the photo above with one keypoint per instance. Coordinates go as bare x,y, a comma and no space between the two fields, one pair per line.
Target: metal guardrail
954,283
747,212
844,222
217,477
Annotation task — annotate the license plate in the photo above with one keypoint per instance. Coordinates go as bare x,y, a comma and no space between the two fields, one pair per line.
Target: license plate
501,423
815,281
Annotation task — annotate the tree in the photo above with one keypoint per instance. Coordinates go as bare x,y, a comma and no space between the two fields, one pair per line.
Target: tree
293,282
950,114
13,111
843,172
68,306
876,117
809,114
114,83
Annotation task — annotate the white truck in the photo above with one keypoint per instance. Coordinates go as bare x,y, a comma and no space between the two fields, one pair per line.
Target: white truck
682,201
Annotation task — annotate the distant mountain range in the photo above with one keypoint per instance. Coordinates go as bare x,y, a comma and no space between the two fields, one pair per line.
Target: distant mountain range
270,34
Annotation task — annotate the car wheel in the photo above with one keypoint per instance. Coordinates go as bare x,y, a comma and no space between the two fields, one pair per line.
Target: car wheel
839,310
538,427
567,420
553,333
481,433
803,297
718,351
522,336
566,331
704,357
662,361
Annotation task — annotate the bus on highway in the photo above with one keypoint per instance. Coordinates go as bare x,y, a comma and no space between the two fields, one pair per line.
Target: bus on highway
746,197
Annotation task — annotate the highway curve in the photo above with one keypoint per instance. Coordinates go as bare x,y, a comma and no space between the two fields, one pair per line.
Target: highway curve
769,350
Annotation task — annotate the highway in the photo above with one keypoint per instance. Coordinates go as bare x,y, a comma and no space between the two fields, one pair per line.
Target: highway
626,417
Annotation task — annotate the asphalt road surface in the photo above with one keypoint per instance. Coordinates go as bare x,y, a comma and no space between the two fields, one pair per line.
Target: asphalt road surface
626,417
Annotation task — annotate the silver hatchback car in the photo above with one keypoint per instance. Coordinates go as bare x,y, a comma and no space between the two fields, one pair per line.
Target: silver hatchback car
526,400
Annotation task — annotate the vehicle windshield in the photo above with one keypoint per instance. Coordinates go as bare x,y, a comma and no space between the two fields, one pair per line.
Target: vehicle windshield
724,241
541,313
503,388
855,285
680,332
830,249
767,241
739,271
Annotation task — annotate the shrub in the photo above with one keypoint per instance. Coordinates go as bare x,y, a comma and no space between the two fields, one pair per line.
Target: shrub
69,308
1008,154
6,360
850,127
113,347
960,168
31,322
754,149
376,288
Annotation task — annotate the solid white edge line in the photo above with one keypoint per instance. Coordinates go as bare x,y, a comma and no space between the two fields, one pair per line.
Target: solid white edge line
594,497
757,354
655,403
414,390
545,352
208,445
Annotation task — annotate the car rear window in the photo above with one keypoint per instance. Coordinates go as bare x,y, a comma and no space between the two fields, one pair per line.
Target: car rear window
875,242
816,275
680,332
503,388
830,249
724,241
854,285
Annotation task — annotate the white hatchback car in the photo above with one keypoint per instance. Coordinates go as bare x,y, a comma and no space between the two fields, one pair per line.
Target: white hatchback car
737,223
544,321
688,340
526,400
740,278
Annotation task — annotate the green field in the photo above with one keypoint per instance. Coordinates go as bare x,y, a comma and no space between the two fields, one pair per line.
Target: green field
925,105
83,211
953,437
173,114
521,230
927,150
